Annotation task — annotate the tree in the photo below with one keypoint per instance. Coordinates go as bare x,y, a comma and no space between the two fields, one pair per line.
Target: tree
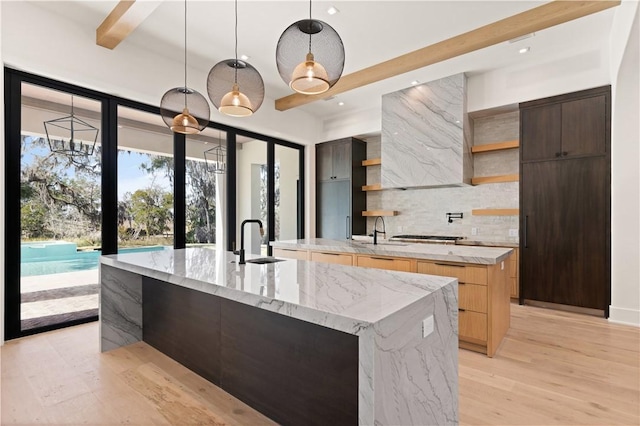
200,196
201,203
153,208
60,194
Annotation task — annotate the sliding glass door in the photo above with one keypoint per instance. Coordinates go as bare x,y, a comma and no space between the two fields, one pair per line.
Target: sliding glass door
145,182
60,209
89,174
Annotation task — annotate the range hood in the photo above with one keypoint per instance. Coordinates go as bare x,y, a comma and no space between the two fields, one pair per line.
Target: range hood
426,135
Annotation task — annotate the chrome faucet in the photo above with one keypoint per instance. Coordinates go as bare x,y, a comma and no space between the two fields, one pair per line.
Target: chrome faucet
241,252
375,229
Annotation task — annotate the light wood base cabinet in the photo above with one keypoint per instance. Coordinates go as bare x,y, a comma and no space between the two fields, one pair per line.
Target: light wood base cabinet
483,301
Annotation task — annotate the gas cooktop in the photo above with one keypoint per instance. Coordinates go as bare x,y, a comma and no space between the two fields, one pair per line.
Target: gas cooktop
428,238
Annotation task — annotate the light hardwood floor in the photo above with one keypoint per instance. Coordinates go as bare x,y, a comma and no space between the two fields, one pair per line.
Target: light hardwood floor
552,368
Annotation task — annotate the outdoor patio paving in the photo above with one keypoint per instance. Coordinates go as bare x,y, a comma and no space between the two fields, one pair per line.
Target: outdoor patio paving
47,299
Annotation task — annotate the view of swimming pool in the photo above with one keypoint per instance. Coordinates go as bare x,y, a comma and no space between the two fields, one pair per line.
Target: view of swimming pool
78,261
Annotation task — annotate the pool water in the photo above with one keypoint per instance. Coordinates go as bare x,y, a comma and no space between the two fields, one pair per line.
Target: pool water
78,261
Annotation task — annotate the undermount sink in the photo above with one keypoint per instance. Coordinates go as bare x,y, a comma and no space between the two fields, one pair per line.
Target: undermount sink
263,260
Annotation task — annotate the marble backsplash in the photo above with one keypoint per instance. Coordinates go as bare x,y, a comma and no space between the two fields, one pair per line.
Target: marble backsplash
423,211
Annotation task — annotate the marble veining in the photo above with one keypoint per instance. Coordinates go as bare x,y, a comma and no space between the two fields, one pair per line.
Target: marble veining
441,252
404,378
120,308
418,375
423,135
340,297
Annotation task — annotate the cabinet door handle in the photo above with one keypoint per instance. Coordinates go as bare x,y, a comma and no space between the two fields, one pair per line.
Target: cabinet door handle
565,153
330,254
381,258
284,249
445,264
558,154
524,234
462,310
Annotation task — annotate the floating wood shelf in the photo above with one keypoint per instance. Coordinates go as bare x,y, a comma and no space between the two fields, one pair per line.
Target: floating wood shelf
374,187
495,179
498,146
495,212
379,213
372,162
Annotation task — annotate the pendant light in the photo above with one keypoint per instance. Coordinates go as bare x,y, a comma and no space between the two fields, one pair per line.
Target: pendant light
70,135
183,109
235,87
216,157
310,56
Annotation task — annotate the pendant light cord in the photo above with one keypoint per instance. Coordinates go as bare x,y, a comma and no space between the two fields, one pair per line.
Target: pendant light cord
185,53
235,78
310,26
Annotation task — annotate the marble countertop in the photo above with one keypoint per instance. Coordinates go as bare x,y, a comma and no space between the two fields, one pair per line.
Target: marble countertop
426,251
340,297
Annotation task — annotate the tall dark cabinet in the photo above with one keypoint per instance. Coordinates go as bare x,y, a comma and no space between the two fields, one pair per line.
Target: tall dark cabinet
565,200
340,200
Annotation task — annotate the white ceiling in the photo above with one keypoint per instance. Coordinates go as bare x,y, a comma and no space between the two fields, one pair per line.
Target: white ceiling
372,32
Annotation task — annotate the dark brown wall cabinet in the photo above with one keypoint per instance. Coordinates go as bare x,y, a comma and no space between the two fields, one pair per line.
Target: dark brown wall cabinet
340,177
565,199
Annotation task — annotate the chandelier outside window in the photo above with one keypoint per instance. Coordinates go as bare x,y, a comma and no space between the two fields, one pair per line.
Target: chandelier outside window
216,158
71,135
235,87
310,56
183,109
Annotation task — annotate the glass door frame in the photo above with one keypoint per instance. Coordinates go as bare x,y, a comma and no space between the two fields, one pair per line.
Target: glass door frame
13,130
13,80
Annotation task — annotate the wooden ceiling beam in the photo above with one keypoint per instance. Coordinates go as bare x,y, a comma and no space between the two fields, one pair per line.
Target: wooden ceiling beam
536,19
122,20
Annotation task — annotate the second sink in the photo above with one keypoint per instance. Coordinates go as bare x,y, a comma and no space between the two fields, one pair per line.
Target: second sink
263,260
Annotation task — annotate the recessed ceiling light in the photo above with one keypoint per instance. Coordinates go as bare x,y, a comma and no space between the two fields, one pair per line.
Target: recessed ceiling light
524,49
332,10
244,57
340,103
414,82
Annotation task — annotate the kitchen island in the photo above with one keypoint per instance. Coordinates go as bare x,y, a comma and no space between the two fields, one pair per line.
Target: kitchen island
302,342
483,273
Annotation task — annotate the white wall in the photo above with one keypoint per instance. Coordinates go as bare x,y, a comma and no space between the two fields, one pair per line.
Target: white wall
625,166
289,175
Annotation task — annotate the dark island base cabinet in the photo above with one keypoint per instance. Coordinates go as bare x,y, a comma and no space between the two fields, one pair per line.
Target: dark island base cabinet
292,371
179,322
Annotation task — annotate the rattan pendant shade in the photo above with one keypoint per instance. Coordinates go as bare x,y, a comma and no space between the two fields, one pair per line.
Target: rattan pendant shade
184,109
235,87
310,56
